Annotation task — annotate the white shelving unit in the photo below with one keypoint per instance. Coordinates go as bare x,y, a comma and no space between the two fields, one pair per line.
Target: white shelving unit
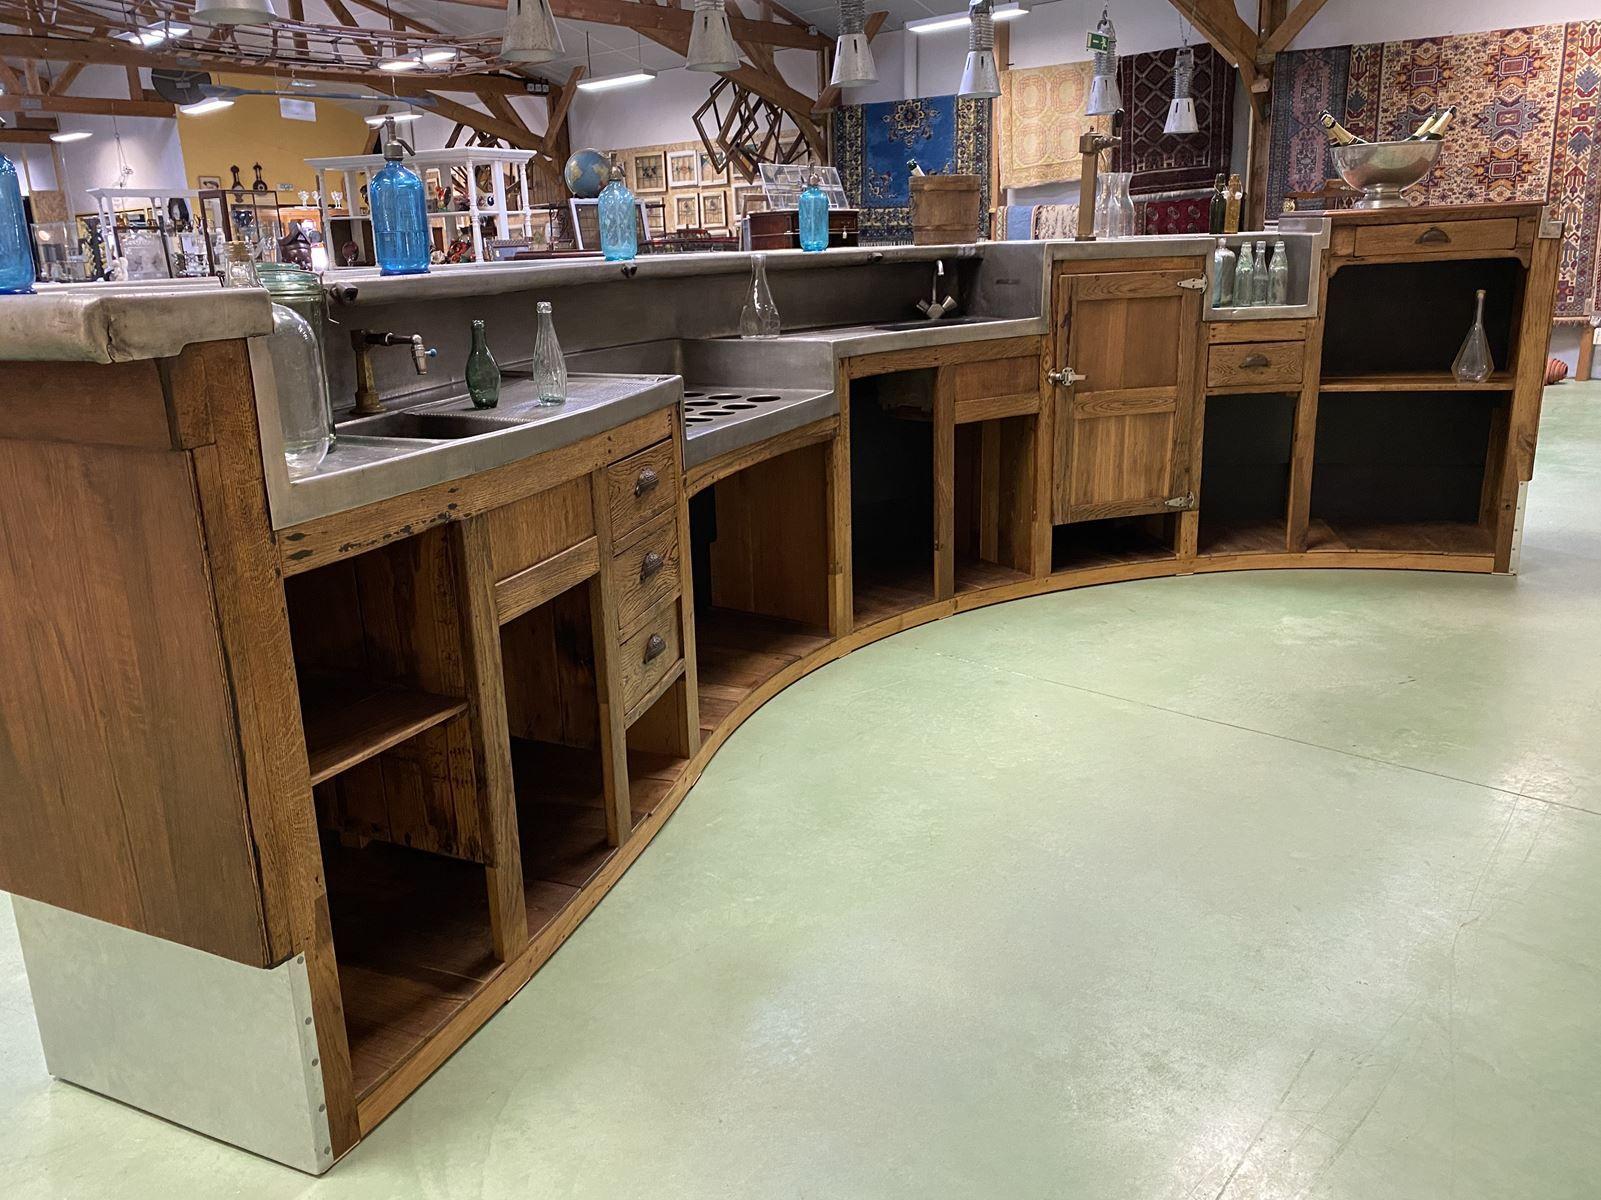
350,173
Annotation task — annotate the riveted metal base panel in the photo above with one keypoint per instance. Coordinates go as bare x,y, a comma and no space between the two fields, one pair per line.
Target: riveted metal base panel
208,1043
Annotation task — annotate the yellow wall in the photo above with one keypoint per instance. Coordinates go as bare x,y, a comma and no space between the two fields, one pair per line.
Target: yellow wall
252,131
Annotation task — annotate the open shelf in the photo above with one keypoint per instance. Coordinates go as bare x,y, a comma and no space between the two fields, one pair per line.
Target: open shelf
411,931
976,574
1413,381
892,497
349,719
1117,541
1245,473
1413,537
1263,536
886,589
737,652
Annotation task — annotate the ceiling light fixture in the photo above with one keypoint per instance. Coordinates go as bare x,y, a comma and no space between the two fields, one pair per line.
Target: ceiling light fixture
999,12
853,57
378,119
531,35
234,12
1181,112
604,83
74,135
980,80
201,107
1104,95
711,42
154,35
401,62
434,56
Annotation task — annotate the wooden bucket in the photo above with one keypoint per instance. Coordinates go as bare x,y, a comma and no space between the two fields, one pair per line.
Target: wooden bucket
945,208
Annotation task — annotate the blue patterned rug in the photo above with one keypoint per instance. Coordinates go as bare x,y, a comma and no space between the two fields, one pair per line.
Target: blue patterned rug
873,142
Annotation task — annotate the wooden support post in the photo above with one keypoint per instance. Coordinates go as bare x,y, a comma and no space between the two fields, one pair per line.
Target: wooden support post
608,673
944,466
841,590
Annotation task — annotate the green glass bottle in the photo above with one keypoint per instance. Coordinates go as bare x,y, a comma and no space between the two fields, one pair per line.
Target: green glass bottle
483,373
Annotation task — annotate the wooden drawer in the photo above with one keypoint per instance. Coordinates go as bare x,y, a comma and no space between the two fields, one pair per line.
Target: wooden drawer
539,527
645,570
1252,364
1276,329
1438,237
640,486
650,653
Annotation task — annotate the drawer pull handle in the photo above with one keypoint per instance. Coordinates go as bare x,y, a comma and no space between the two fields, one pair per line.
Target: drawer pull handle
647,480
652,563
655,647
1254,360
1433,234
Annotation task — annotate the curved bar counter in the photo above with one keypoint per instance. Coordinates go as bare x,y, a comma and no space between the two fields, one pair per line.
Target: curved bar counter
310,777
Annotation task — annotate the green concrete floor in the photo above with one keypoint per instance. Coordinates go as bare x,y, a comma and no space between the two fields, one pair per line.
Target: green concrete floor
1264,885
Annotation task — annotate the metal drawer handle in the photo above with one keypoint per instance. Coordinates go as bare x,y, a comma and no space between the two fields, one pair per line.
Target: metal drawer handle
1065,378
651,564
655,647
647,480
1433,234
1254,360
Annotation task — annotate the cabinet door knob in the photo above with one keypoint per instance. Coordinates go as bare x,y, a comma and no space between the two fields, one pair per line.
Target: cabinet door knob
647,480
652,563
1433,234
1254,360
655,647
1065,378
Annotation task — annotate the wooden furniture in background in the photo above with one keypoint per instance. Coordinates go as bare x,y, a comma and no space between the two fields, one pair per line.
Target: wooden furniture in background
945,209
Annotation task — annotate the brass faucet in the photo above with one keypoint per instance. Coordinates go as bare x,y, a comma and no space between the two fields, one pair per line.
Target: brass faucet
1090,145
362,342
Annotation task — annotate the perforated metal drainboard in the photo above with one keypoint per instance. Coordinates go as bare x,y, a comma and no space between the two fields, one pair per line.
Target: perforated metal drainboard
710,409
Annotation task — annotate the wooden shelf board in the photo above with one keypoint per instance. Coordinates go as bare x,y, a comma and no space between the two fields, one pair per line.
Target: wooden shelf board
885,590
1264,536
1090,544
1416,537
1419,381
349,720
737,652
976,574
411,934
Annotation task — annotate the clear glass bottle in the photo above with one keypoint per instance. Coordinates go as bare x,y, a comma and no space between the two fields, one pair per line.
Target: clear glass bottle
1103,205
1259,274
759,317
17,271
619,233
304,409
812,214
1217,205
1473,363
1123,203
1278,275
239,271
1222,275
1241,292
399,207
483,372
1233,202
550,368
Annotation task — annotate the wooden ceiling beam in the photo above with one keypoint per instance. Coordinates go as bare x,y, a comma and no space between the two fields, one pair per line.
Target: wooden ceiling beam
85,105
1286,31
10,79
1220,24
649,17
60,84
343,15
513,134
560,101
32,137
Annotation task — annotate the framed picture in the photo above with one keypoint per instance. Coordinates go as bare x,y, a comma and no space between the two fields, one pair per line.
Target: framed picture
685,211
208,181
708,169
649,171
748,200
714,209
683,168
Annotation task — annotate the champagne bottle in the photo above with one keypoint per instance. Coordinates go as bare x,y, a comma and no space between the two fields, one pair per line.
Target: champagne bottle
1435,130
911,166
1421,133
1338,134
1218,208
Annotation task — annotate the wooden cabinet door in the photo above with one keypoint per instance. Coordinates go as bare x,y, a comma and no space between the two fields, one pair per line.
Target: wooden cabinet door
1123,416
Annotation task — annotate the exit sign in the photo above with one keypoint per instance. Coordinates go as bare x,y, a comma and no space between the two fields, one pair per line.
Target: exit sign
1098,41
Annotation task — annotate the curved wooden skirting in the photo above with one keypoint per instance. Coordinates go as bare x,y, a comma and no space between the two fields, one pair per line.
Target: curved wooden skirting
500,987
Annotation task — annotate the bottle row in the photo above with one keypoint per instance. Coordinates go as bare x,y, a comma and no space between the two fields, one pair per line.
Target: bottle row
1251,278
1432,129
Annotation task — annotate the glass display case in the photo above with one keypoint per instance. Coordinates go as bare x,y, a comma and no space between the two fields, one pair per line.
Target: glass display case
61,253
152,233
257,217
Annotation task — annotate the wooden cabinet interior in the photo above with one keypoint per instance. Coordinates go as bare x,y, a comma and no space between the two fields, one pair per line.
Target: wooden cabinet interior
1245,472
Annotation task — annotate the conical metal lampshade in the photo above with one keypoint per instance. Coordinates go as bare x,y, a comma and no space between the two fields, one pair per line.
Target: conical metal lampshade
1104,94
234,12
853,57
1181,112
531,35
1181,117
980,79
711,43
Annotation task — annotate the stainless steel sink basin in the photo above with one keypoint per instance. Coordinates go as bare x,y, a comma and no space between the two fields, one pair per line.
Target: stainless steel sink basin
426,426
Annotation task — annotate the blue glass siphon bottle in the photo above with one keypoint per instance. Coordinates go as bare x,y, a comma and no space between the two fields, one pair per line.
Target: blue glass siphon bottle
16,249
619,237
813,214
399,212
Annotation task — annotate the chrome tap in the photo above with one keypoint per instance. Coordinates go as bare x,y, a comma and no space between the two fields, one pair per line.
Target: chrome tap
362,342
934,307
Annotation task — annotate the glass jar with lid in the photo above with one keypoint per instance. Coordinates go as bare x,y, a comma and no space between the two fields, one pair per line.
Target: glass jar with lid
304,409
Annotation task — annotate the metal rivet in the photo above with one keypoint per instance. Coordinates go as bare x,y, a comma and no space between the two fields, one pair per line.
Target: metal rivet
327,1149
322,1108
301,959
315,1061
308,1020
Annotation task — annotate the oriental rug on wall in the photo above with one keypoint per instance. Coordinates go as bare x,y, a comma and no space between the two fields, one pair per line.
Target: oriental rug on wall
1528,125
1040,119
1167,162
874,142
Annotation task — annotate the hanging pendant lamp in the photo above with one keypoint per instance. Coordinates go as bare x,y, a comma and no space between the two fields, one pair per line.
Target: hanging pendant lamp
711,42
1181,112
1104,95
531,35
234,12
853,57
980,79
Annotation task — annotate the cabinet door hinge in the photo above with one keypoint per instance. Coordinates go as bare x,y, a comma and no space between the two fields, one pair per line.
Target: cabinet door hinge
1194,285
1187,500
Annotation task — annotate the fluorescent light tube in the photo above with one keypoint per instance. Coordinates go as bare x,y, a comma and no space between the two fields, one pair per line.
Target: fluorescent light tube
1003,12
75,135
201,107
601,83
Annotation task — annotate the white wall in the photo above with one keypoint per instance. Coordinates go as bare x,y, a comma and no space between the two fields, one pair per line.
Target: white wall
1346,22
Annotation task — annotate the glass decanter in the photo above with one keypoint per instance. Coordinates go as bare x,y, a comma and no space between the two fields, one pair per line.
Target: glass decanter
759,317
550,368
619,233
1473,363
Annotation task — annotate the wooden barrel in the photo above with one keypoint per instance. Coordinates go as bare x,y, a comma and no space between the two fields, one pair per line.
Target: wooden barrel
945,208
